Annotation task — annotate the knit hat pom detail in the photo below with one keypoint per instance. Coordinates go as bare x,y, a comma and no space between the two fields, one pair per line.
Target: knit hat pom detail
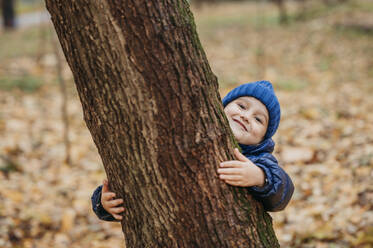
266,84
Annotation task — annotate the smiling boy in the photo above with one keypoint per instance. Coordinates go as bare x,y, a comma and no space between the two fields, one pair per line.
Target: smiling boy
253,113
248,120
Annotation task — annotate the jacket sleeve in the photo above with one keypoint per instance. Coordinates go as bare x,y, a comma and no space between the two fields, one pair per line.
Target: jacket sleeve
97,207
278,190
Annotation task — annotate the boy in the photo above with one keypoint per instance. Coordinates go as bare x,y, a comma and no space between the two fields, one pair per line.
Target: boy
253,113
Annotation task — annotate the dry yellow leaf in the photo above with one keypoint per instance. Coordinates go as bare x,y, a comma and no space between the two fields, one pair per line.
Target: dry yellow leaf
14,195
310,113
68,220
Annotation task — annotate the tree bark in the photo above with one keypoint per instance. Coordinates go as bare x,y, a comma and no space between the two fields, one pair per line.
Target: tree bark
151,103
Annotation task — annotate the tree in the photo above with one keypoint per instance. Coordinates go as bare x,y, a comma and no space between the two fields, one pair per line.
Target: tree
7,7
283,16
151,103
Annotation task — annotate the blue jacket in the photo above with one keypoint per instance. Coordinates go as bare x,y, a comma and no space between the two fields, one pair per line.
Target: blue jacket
278,189
97,207
274,195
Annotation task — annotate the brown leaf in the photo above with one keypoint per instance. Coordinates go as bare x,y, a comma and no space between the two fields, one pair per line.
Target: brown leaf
68,220
297,154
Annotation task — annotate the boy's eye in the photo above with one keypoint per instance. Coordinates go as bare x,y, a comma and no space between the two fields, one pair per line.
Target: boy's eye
241,106
258,119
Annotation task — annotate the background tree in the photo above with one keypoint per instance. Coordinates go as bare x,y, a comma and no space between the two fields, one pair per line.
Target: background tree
151,103
7,7
283,17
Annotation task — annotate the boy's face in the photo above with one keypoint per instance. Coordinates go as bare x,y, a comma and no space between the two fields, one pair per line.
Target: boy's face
248,119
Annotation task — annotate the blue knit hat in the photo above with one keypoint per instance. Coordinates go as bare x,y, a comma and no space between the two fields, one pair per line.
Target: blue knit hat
263,91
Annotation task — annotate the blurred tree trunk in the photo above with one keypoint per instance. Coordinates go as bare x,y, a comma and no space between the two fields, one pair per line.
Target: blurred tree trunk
7,7
151,103
282,11
302,10
334,2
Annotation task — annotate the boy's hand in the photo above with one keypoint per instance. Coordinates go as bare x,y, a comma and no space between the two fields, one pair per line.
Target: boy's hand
110,204
241,172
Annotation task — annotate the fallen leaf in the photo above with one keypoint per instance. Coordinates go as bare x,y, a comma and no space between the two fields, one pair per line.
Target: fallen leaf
296,154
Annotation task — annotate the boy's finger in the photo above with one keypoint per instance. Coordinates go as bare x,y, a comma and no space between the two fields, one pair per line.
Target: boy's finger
229,171
240,156
115,202
117,210
230,177
105,187
231,164
117,216
233,183
108,195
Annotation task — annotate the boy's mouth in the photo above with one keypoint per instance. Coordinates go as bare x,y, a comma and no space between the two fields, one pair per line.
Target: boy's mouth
241,124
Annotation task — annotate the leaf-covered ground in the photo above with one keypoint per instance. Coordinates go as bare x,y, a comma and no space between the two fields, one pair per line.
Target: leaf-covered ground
323,76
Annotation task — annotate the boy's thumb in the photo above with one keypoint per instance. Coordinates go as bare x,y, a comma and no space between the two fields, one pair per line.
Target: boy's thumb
105,186
240,156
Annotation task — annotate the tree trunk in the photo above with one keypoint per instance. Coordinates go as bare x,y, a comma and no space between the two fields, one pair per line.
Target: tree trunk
302,10
151,103
8,14
282,11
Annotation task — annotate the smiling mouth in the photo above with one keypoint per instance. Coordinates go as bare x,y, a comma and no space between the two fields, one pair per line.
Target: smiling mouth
243,126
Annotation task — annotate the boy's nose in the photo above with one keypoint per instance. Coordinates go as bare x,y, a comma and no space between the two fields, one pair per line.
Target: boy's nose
245,118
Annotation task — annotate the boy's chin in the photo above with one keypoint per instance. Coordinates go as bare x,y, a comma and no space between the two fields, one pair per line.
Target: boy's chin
244,141
247,141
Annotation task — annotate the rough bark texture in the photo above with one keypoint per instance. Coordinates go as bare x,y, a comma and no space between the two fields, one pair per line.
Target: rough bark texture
151,103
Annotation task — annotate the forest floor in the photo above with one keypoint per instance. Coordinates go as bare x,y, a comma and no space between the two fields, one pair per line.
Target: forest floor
322,73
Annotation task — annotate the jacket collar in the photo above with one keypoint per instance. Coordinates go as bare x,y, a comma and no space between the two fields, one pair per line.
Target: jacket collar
266,146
